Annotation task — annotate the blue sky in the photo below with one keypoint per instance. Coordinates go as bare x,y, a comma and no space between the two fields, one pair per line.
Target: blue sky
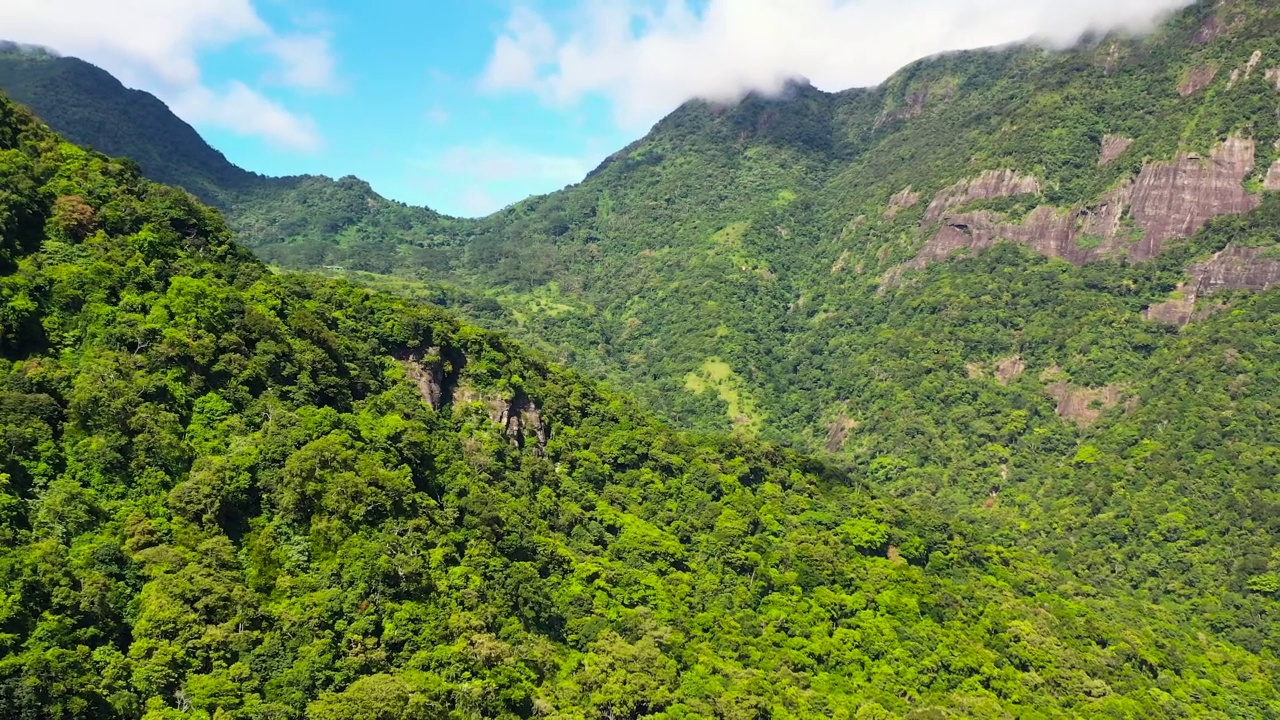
468,105
407,113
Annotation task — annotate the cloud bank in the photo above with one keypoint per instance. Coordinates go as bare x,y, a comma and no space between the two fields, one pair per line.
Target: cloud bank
480,175
156,45
648,57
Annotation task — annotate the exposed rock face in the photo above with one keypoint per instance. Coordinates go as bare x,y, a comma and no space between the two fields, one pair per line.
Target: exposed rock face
1273,76
1197,80
913,107
1009,368
838,432
908,198
518,417
987,186
1176,311
1049,231
1112,60
1211,30
1113,146
1249,67
1084,406
1273,177
1166,200
1246,72
425,369
1176,199
1236,268
1233,268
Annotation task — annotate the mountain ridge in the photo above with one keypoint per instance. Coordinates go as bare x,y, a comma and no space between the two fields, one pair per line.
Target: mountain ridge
729,270
818,154
238,495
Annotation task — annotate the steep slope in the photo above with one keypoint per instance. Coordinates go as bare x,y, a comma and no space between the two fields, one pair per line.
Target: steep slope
1089,376
728,210
300,221
1027,290
228,494
93,109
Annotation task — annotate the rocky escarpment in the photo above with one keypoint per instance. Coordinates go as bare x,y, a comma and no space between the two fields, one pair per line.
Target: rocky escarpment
518,416
1009,368
912,106
1180,309
1238,268
1176,199
1246,71
1234,268
1083,405
1165,200
1197,80
908,198
1113,146
520,419
1079,237
987,186
1272,181
426,369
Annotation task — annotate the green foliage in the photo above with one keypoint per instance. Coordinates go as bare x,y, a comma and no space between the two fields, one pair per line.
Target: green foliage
228,494
235,495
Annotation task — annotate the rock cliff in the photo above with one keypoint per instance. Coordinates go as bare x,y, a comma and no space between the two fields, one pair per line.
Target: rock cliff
1234,268
987,186
1166,200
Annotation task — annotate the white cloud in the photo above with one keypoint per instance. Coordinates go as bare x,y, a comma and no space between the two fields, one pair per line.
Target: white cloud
156,45
306,61
499,163
248,112
474,180
437,116
475,202
647,58
529,43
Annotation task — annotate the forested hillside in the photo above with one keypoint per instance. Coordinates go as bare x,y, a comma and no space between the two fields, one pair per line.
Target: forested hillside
1021,302
780,218
229,494
93,109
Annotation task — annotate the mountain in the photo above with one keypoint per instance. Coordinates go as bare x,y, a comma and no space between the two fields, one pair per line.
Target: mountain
92,108
95,110
237,495
1032,292
777,215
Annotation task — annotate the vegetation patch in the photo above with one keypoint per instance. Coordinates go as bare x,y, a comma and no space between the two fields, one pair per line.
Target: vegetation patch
731,234
717,376
785,198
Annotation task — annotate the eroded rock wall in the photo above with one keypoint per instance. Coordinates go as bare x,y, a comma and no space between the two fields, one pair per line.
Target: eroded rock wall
1166,200
1176,199
1084,406
989,185
1113,146
1236,268
425,368
908,198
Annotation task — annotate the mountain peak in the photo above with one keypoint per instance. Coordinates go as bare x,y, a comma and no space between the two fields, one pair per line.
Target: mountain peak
33,52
